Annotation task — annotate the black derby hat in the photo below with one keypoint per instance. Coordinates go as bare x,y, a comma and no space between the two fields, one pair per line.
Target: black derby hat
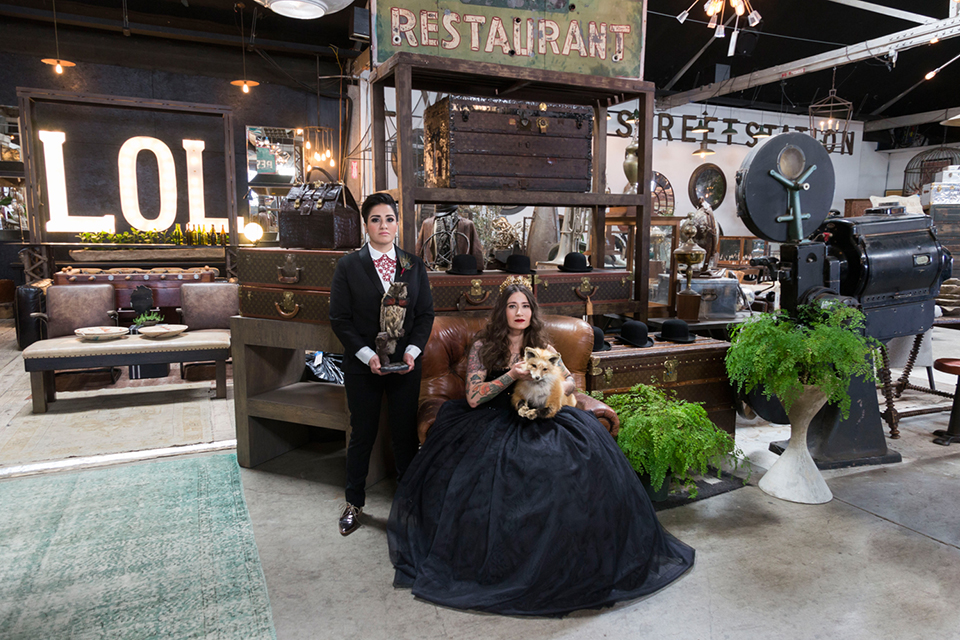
675,330
634,332
518,263
575,263
464,265
599,344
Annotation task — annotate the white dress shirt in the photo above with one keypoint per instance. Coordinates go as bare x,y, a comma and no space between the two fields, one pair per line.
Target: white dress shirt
366,353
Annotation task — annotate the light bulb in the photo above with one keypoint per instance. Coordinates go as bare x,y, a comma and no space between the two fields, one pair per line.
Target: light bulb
934,40
930,75
307,145
332,163
317,156
739,9
58,68
246,88
253,231
710,9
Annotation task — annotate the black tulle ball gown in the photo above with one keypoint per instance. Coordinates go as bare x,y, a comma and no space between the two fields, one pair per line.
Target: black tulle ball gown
502,514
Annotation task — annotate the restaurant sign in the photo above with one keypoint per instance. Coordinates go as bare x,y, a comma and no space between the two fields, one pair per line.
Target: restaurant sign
595,37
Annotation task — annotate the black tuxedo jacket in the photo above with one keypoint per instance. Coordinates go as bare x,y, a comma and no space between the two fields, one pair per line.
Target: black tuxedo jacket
355,305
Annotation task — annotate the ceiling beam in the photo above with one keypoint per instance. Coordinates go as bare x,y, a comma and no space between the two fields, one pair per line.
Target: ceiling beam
190,35
887,11
899,41
911,120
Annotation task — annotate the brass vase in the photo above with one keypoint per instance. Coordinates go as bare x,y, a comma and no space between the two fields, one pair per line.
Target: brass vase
631,165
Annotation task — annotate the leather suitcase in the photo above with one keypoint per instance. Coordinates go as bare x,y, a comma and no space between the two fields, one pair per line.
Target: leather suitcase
488,143
319,216
468,295
287,268
274,303
696,371
566,293
165,283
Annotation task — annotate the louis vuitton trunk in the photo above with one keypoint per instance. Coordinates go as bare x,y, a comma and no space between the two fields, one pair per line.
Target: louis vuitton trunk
490,143
696,371
288,268
274,303
568,293
466,295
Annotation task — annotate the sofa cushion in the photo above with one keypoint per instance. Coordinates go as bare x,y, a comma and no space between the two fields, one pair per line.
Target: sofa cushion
209,305
71,307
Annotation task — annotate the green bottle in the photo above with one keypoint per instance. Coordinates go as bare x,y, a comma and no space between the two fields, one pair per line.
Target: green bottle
177,236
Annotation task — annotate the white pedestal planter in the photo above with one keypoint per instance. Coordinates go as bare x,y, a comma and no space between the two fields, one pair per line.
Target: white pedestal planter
795,476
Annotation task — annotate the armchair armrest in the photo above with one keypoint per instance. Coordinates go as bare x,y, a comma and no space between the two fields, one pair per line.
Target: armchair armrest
114,315
427,415
40,315
607,416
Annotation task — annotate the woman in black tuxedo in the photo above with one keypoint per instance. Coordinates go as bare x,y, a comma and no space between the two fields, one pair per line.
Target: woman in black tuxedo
359,282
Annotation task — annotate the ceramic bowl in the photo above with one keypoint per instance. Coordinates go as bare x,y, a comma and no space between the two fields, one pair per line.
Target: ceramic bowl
99,334
162,330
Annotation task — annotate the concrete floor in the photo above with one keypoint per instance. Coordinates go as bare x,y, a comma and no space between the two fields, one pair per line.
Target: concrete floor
882,560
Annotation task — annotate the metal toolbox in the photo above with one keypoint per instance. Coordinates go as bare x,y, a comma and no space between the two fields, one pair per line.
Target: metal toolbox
696,371
718,297
287,268
486,143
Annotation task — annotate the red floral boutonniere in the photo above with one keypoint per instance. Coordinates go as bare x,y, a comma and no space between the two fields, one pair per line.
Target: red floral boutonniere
404,263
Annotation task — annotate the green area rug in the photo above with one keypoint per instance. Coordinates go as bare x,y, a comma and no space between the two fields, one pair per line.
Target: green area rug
154,550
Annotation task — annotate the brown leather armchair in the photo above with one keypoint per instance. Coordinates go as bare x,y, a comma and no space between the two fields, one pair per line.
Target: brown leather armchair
445,364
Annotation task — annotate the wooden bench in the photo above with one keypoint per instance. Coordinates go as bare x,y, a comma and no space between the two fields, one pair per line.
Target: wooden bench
44,357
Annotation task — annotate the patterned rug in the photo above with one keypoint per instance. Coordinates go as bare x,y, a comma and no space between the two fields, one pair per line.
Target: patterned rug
152,550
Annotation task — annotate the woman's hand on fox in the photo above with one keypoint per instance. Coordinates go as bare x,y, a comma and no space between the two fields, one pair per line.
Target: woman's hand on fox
519,371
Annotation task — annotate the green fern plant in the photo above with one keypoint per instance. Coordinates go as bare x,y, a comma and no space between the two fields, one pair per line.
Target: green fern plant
823,346
150,317
661,435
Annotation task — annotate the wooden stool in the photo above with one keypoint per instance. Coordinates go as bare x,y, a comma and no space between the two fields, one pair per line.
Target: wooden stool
952,434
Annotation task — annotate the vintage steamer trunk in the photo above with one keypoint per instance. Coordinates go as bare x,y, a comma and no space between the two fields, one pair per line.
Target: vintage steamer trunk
565,293
485,143
286,284
696,371
467,295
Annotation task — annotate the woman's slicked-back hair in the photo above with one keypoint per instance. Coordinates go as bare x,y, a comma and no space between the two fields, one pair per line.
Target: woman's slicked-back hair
373,200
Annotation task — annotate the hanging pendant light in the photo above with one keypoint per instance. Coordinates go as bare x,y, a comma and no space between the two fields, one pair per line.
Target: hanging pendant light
763,133
305,9
243,84
704,150
701,126
57,63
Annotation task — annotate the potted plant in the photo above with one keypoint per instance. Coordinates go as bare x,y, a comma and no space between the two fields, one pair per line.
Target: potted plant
663,437
147,319
807,360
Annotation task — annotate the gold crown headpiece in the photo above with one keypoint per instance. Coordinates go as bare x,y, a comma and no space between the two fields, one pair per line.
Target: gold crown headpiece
523,281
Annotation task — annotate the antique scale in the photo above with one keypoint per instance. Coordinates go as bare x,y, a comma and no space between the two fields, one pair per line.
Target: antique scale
890,266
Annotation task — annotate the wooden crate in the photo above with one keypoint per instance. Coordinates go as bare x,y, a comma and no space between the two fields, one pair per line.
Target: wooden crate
697,372
487,143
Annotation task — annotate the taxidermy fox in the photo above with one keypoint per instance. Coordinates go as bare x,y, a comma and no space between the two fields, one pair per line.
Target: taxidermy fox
541,397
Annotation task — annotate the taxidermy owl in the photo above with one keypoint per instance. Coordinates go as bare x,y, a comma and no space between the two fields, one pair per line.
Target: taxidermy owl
393,310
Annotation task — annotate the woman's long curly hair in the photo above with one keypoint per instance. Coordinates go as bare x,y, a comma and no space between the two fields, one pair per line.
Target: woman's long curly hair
495,351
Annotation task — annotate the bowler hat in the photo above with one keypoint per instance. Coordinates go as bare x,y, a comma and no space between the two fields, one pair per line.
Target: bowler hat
518,263
575,263
599,344
675,330
464,265
634,332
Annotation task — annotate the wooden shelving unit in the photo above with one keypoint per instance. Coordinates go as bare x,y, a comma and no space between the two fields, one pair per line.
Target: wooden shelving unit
406,72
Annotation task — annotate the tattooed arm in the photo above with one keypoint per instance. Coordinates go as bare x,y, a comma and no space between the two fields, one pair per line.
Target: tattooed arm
478,389
569,386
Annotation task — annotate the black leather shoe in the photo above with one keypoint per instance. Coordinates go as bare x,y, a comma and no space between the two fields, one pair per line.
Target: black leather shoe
349,519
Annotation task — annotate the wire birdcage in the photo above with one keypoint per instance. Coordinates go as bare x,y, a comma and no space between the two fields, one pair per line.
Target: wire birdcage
922,167
830,117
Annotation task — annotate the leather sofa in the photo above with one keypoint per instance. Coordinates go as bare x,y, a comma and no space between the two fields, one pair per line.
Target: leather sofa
445,364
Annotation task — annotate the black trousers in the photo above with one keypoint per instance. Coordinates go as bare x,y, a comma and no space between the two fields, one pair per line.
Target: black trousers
365,393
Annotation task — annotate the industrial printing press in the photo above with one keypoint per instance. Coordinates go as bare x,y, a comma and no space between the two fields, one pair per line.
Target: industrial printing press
887,263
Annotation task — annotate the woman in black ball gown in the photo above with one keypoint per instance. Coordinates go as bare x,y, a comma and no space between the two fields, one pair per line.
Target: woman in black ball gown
503,514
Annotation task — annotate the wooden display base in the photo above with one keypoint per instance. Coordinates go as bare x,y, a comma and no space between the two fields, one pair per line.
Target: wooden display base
688,305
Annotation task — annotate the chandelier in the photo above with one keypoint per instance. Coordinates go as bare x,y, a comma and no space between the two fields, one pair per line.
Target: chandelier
715,10
831,116
305,9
